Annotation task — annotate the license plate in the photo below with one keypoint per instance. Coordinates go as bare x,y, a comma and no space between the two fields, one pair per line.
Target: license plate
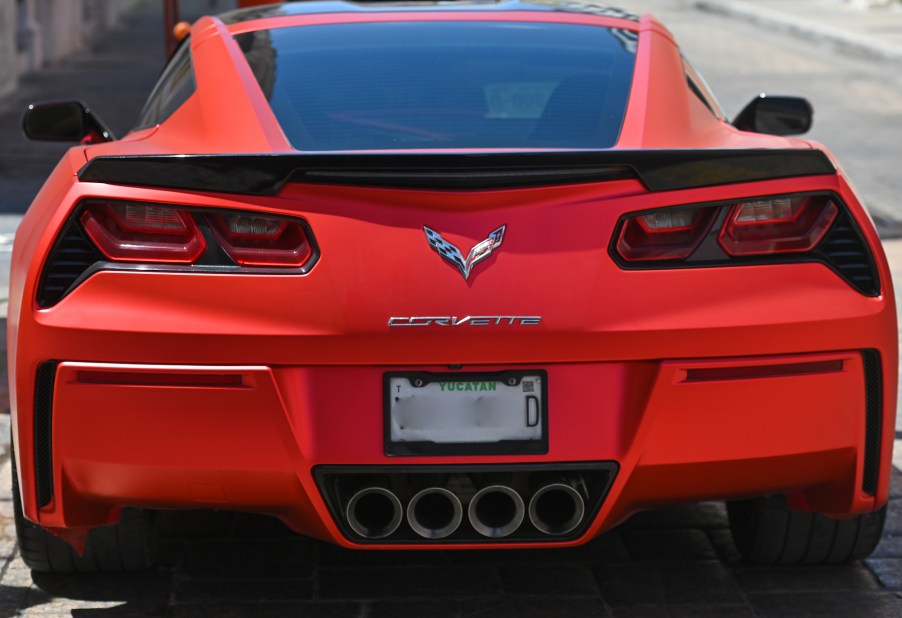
466,413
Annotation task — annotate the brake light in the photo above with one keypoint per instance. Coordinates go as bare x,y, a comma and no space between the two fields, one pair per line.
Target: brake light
666,234
133,232
253,240
776,225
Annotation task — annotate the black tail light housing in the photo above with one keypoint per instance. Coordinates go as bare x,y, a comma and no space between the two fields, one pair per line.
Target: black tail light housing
126,235
810,227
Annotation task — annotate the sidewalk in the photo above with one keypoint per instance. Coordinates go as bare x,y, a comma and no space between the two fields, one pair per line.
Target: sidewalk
874,31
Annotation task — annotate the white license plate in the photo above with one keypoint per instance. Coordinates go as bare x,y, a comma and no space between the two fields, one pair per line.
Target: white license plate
471,409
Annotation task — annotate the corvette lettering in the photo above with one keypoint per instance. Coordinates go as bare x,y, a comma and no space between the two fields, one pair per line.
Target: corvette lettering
470,320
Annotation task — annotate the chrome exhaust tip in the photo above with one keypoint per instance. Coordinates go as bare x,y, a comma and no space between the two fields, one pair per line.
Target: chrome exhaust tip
556,509
434,513
496,511
374,512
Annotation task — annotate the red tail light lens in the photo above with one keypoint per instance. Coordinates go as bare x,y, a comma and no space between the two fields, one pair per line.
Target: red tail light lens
253,240
776,225
131,232
666,234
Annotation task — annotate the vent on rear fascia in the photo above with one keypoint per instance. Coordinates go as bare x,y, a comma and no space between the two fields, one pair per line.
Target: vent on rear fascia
873,430
43,430
71,256
845,250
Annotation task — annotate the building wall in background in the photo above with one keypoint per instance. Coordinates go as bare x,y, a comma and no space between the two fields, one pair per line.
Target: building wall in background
38,33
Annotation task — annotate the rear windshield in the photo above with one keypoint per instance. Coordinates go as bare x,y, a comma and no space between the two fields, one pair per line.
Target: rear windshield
444,84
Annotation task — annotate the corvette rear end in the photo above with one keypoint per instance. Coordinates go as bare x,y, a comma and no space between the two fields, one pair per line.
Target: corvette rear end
451,336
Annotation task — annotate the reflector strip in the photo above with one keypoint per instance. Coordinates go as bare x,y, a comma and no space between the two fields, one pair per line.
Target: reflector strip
708,374
43,432
873,390
142,378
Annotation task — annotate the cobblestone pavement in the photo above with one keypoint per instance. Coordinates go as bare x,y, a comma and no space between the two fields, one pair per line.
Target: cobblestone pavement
671,563
674,563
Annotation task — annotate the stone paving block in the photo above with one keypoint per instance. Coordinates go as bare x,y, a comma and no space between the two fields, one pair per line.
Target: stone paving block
687,611
853,604
335,556
6,503
7,549
700,515
408,582
541,579
501,607
722,540
73,607
196,524
668,545
248,558
146,588
890,547
17,575
308,609
669,584
241,591
444,608
894,517
888,571
895,490
606,549
853,576
8,610
251,525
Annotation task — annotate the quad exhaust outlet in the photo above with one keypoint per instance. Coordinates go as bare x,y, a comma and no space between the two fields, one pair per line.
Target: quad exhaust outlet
496,511
460,504
374,512
434,513
556,509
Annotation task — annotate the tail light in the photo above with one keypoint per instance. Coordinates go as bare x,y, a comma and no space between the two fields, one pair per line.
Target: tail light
253,240
666,234
172,238
764,226
776,225
814,227
132,232
156,233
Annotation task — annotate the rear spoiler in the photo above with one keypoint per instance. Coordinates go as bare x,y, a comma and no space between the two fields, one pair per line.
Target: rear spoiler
266,174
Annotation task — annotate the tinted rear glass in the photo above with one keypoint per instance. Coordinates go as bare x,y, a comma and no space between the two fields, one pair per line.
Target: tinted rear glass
444,84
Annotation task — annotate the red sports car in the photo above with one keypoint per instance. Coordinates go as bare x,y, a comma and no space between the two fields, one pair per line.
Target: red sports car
457,275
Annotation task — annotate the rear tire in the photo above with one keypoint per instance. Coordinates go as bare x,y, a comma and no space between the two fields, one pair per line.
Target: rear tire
127,546
767,531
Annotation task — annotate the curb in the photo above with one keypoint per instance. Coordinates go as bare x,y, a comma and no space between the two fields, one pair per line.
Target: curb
778,20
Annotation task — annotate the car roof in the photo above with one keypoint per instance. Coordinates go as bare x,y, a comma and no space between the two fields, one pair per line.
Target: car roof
314,7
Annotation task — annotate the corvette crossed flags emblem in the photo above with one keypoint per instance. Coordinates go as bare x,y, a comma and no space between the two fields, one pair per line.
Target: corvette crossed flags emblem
452,254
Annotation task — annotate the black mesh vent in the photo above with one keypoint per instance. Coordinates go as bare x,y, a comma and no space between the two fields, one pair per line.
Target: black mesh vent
71,256
844,249
873,388
43,447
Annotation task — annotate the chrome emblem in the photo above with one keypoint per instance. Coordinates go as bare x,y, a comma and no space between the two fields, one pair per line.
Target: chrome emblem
452,254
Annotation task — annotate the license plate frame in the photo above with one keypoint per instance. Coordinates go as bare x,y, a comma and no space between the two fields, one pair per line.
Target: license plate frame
531,446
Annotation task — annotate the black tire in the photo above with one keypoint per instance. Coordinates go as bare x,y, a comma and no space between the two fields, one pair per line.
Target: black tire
127,546
767,531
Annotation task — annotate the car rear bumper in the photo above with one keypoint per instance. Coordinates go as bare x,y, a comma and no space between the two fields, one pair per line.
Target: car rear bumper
184,436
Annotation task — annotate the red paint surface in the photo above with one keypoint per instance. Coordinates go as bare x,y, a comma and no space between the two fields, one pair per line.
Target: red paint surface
311,349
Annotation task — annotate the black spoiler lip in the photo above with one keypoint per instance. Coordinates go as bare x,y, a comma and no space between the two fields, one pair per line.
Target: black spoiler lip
266,174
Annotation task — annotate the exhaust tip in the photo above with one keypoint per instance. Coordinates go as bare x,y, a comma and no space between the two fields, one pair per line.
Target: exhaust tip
496,511
556,509
374,512
434,513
